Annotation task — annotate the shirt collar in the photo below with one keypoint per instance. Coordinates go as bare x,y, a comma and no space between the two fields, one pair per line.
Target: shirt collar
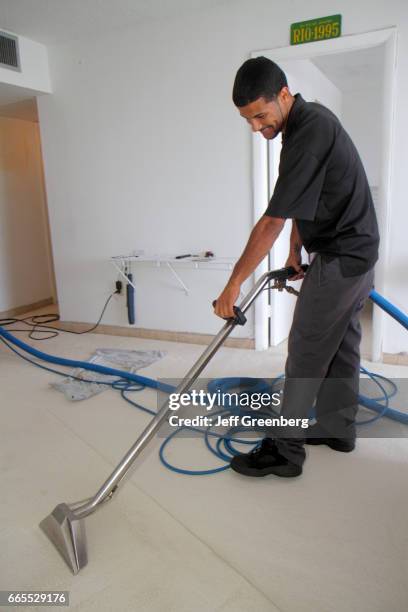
293,116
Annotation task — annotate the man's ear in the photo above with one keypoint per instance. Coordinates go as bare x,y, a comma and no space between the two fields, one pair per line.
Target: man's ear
284,93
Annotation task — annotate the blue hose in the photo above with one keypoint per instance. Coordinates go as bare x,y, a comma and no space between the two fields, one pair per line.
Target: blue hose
224,448
85,365
389,308
130,299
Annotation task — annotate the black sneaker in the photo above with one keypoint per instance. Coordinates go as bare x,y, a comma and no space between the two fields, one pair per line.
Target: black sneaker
343,445
265,459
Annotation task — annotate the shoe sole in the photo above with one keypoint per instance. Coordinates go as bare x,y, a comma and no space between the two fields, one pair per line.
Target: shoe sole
333,445
282,471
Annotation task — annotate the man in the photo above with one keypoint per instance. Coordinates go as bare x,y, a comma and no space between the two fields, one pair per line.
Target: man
323,188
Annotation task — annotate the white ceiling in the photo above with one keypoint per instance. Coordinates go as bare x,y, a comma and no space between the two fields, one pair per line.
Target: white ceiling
59,21
353,70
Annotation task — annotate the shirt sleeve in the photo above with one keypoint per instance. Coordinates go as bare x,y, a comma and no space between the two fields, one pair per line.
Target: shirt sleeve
299,185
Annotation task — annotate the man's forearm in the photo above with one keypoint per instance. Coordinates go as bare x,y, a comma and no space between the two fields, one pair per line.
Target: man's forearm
295,240
259,244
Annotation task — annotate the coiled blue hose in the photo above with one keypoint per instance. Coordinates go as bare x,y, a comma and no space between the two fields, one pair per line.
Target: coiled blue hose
224,448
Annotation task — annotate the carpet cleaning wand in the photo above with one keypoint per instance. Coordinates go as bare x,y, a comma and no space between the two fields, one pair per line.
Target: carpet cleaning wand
65,525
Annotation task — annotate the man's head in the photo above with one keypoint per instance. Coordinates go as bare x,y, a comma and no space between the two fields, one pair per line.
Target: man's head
262,96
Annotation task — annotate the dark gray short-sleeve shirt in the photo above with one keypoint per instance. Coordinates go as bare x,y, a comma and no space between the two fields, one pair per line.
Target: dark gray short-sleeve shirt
323,186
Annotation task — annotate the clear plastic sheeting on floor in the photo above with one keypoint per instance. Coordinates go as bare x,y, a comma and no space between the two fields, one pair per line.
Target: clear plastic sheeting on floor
121,359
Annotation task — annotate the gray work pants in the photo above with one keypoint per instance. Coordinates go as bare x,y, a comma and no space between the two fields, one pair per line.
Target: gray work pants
323,362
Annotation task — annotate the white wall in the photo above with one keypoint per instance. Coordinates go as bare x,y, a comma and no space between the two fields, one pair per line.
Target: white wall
24,257
314,86
362,112
144,149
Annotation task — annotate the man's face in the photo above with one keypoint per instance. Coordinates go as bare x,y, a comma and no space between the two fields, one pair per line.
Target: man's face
265,117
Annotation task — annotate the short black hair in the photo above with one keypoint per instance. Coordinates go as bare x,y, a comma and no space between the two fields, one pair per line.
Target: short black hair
258,77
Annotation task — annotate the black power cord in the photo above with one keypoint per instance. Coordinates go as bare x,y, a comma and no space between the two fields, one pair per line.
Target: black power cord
37,324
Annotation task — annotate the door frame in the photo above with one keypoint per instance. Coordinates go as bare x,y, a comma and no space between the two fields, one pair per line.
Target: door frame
260,162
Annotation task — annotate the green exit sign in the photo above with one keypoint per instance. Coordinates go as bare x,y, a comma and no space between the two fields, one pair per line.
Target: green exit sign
315,29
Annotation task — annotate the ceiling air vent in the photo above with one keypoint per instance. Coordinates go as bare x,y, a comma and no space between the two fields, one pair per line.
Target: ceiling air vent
9,57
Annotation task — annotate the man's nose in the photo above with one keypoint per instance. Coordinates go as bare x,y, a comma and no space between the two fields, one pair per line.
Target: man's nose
256,125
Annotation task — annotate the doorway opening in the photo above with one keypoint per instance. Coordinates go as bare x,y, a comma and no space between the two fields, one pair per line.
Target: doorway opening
354,77
27,278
